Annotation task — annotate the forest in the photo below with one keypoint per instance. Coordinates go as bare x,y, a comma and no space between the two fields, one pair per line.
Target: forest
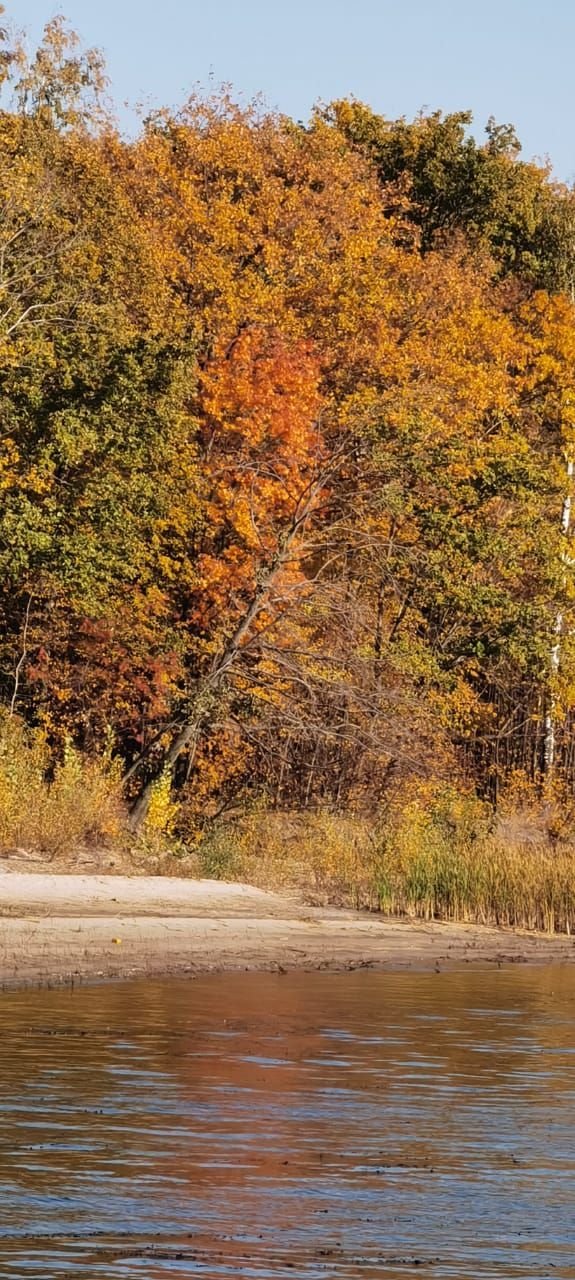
287,434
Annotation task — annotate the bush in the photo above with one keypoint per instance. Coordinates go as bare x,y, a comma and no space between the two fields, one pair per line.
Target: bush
49,807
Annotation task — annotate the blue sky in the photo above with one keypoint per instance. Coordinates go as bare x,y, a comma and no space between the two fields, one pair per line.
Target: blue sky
509,58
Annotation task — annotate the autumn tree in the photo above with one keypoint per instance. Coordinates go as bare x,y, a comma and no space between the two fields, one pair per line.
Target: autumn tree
97,459
448,182
285,422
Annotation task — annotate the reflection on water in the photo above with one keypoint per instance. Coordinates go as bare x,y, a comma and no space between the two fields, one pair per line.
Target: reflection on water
309,1125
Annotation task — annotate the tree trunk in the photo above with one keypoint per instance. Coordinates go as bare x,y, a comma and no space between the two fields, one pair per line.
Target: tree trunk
186,736
209,689
555,656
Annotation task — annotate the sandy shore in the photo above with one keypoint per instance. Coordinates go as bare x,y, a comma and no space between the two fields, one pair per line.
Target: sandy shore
58,929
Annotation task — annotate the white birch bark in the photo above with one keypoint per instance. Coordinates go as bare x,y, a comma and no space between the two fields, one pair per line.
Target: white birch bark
555,656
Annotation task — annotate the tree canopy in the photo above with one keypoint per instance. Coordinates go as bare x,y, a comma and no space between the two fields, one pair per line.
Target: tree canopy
285,416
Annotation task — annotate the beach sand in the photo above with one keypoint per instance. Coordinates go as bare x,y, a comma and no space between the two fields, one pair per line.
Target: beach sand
62,929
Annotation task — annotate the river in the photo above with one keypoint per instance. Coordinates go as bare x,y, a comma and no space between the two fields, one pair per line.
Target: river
305,1125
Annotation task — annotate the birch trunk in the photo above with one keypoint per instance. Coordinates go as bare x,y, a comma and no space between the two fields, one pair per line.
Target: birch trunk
555,656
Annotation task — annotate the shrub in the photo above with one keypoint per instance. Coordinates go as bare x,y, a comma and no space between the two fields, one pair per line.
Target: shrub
50,807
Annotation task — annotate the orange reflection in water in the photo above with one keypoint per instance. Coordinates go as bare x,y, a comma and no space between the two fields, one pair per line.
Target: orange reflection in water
327,1125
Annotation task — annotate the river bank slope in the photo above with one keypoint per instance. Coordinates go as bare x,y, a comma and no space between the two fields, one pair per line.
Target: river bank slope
62,929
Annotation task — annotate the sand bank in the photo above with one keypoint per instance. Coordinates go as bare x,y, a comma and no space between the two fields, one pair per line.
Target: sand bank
57,929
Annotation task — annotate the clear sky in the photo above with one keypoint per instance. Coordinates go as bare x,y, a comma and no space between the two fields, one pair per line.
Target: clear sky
509,58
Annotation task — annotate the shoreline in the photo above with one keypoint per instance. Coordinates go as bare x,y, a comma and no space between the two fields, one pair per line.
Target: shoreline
58,930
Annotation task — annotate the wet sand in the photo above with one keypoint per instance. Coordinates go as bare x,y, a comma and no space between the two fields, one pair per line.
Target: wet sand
63,929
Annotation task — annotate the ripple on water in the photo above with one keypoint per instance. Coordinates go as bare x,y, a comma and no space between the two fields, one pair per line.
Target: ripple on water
313,1125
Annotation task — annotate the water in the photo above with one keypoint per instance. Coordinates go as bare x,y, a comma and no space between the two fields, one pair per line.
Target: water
307,1125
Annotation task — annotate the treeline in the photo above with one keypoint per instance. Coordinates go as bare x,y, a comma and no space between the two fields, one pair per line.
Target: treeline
286,418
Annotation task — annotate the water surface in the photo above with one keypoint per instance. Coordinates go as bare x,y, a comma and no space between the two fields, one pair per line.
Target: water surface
311,1125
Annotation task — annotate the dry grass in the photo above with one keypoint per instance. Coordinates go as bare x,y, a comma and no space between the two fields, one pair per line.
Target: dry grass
432,858
432,855
522,886
76,803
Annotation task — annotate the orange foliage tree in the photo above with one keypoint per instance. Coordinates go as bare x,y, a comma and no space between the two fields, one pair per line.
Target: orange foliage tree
281,473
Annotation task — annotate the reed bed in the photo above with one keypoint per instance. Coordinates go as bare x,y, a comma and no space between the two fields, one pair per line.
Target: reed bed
519,886
426,863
